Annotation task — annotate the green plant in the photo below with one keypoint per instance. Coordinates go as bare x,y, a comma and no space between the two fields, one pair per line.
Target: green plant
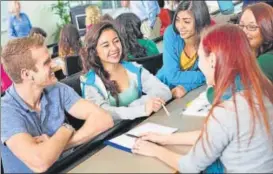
61,8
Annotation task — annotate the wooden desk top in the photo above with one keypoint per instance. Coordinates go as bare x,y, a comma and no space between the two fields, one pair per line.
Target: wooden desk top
111,160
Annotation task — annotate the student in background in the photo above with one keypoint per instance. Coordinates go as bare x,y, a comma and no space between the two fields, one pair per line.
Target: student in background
148,12
19,23
237,130
5,80
257,22
107,17
180,59
93,16
164,16
69,43
34,129
37,30
116,85
129,28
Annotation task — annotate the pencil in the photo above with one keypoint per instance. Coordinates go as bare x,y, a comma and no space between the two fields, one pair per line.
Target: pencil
165,109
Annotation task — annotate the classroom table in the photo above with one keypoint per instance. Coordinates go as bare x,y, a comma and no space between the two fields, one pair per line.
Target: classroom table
112,160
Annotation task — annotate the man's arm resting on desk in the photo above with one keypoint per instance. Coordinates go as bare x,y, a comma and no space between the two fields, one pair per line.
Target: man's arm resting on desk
96,119
39,156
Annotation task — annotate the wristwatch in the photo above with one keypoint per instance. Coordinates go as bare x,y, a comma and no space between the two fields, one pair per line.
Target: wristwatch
68,126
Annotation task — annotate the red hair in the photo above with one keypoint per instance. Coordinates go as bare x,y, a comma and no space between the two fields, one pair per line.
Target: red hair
263,14
234,58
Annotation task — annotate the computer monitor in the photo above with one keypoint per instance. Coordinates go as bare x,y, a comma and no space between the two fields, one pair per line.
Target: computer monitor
80,22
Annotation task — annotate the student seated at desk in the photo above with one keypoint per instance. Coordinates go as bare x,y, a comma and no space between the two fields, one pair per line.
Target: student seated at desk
69,43
116,85
34,129
93,16
37,30
129,28
239,129
180,71
257,23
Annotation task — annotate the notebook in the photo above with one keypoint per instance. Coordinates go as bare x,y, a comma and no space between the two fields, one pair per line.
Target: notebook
127,140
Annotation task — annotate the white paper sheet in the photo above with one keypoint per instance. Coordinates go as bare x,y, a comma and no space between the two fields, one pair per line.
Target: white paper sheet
151,127
198,107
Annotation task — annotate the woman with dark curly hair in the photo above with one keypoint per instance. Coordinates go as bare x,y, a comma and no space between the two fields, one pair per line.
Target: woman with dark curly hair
129,27
116,85
69,43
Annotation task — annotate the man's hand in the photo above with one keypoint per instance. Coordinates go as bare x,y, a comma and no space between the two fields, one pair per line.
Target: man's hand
41,139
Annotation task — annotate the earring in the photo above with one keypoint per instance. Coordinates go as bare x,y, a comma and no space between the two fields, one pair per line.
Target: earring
32,78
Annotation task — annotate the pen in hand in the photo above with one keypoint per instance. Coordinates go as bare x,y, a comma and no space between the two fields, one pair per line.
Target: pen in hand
165,109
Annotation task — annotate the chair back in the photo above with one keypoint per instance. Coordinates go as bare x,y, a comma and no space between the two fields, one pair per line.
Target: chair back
73,64
151,63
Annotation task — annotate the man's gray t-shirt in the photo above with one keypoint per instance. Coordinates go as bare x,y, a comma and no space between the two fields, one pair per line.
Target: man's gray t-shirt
17,117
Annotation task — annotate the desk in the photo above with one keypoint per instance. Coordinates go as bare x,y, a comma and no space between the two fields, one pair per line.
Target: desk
111,160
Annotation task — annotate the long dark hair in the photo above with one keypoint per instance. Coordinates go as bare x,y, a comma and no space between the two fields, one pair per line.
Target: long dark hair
263,14
200,13
69,40
90,59
129,28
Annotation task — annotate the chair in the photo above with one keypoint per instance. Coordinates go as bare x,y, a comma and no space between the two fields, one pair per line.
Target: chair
73,64
158,39
55,50
74,82
151,63
2,170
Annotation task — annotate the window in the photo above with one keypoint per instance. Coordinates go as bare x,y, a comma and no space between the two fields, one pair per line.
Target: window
4,15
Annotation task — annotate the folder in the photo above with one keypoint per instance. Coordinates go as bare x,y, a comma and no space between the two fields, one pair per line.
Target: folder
122,142
127,140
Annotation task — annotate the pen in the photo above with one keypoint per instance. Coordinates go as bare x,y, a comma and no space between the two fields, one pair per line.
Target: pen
132,136
165,109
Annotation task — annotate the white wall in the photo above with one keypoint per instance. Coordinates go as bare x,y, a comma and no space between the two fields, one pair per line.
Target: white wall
40,15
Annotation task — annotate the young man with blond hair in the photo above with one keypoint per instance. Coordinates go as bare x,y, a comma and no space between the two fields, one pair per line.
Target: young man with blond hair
34,132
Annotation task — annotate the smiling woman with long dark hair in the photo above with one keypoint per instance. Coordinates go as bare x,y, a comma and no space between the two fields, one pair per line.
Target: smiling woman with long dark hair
180,71
114,84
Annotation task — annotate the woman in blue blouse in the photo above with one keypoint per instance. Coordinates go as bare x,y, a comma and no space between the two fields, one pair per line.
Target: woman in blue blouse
180,71
19,23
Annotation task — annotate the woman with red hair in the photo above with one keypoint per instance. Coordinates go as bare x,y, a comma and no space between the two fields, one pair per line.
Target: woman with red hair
239,128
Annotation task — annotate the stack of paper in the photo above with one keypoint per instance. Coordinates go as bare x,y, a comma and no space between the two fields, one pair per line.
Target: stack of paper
199,107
